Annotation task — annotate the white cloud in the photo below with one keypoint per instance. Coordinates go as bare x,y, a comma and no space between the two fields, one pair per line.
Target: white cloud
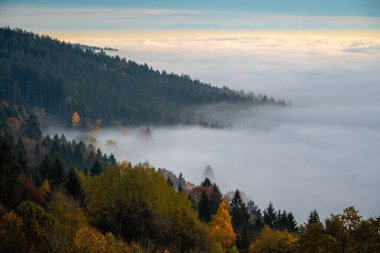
323,155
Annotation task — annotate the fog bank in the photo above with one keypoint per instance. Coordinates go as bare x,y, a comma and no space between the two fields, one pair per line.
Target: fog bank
321,153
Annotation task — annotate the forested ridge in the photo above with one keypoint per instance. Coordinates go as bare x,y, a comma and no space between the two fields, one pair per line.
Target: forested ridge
61,196
62,78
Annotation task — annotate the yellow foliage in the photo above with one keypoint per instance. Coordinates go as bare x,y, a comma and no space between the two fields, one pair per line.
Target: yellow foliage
45,187
273,242
90,240
220,227
75,120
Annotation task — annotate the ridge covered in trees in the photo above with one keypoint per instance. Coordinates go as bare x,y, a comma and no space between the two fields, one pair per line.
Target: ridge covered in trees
63,78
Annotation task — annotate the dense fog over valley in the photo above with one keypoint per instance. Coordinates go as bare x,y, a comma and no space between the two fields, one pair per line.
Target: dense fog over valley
319,153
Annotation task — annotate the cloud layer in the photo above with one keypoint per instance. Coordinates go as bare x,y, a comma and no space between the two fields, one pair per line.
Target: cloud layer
320,153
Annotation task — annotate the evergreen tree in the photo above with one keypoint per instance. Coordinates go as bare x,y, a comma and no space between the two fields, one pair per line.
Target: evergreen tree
291,223
313,217
73,185
256,219
215,199
10,170
58,175
32,128
270,216
46,168
112,159
181,182
21,153
204,208
96,169
206,182
240,220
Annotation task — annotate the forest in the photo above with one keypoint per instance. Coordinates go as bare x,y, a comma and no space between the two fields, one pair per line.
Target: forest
62,78
59,195
63,196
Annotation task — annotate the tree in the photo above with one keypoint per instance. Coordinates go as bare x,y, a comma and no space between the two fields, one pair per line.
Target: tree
31,128
291,224
181,182
206,182
270,216
240,220
270,241
35,220
204,208
10,170
58,175
75,121
220,227
12,236
314,239
73,186
96,169
313,217
215,199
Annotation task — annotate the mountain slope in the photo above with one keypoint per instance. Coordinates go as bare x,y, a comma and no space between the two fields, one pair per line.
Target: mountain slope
63,78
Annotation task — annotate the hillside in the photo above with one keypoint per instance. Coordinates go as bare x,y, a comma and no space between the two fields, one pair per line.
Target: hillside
62,78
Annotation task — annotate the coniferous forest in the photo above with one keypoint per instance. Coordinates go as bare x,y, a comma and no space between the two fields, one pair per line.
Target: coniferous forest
59,195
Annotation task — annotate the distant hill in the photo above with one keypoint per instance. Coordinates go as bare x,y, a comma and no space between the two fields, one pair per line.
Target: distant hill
62,78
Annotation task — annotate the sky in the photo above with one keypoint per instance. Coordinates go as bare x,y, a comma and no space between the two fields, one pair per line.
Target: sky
182,15
323,56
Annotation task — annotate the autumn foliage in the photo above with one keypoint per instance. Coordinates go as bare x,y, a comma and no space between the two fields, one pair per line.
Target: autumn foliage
75,121
220,228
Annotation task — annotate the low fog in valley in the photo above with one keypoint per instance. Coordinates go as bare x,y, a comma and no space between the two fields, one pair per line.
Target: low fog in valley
322,152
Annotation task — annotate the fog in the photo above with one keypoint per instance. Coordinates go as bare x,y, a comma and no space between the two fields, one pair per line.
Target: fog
320,153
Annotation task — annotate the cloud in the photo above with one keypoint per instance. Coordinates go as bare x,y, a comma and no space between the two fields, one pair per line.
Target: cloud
320,153
101,19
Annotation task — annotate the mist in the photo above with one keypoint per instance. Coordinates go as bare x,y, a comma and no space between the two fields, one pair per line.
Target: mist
322,152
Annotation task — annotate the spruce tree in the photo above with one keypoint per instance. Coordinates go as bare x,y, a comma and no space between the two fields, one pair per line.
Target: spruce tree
215,199
270,216
96,168
313,217
204,208
240,220
73,185
10,170
181,182
58,175
206,182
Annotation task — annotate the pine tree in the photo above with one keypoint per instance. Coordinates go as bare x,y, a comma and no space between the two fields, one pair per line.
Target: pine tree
45,168
270,216
73,186
291,223
96,168
313,217
215,199
58,175
32,128
206,182
240,220
10,170
181,182
204,208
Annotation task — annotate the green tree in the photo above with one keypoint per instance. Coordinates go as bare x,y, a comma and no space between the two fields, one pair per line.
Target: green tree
73,186
313,217
58,175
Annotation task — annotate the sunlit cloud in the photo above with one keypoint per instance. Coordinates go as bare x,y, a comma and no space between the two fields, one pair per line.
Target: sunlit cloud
65,18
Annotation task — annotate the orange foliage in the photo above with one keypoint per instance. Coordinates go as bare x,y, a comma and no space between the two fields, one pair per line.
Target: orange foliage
220,227
75,120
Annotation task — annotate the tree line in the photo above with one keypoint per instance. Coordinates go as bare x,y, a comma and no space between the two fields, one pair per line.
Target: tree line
63,78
